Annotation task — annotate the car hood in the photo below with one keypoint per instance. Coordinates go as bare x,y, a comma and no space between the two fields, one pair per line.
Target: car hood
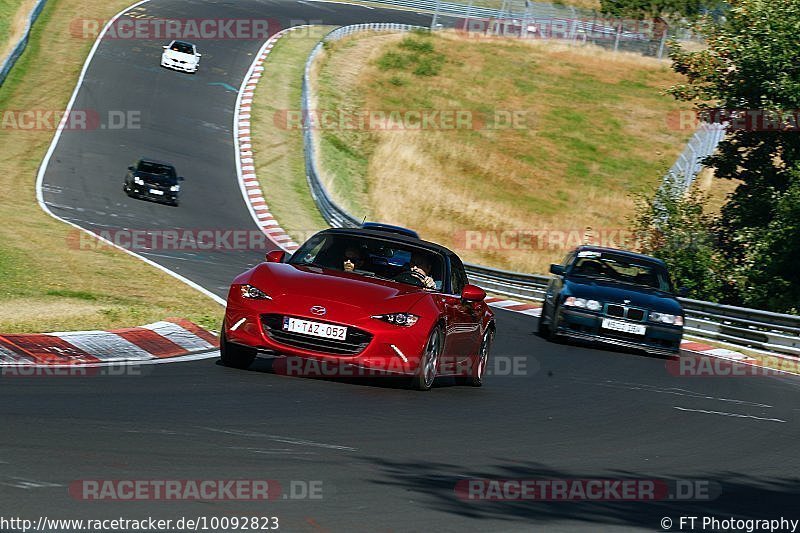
180,56
611,292
308,285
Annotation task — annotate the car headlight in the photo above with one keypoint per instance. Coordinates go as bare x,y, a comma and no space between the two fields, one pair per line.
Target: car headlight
254,293
591,305
175,188
398,319
138,181
664,318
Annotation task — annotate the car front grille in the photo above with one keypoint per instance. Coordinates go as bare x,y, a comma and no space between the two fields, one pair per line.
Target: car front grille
621,311
355,342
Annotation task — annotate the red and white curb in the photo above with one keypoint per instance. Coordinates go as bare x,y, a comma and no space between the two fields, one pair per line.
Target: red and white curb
169,340
686,345
245,162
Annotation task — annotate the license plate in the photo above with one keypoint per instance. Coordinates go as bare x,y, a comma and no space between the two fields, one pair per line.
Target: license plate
156,191
316,329
625,327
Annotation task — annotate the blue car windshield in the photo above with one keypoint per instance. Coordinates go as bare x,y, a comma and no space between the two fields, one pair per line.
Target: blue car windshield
622,269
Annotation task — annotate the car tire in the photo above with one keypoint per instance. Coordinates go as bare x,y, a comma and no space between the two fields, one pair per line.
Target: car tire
234,355
429,361
543,329
552,328
482,360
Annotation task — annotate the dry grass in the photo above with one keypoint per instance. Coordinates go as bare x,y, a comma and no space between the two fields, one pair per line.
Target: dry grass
48,284
518,6
717,190
278,149
13,19
595,133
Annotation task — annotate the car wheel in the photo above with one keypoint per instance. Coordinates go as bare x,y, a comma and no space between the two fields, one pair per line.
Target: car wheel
234,355
428,363
479,368
543,329
552,329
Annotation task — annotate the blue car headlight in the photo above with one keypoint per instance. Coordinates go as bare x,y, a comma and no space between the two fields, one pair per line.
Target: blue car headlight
583,303
665,318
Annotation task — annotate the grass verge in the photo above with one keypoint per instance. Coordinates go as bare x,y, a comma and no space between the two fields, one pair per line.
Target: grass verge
593,131
517,7
48,284
13,19
277,138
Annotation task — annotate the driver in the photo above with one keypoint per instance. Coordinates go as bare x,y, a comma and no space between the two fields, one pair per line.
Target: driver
421,268
353,258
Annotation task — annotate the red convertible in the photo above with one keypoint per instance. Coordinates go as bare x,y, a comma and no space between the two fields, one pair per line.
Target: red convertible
375,298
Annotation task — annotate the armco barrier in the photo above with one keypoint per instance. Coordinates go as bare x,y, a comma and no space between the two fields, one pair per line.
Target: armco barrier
749,328
12,58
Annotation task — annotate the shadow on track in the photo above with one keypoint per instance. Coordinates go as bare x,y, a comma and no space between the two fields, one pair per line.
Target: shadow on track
738,496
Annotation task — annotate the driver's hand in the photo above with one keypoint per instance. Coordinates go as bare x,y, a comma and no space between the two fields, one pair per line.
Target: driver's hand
349,266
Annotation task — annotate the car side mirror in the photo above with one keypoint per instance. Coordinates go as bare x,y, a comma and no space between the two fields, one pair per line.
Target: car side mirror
276,256
473,293
558,270
199,55
181,178
131,168
683,291
165,47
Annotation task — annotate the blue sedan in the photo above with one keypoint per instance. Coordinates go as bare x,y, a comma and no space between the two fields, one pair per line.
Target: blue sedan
613,296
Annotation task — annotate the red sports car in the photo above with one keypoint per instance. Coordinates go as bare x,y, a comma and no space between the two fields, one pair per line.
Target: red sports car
375,298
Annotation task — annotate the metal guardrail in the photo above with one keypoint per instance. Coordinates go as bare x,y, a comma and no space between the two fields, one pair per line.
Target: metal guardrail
570,23
774,333
702,144
15,54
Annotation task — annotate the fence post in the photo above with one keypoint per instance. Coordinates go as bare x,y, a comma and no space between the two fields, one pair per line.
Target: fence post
663,42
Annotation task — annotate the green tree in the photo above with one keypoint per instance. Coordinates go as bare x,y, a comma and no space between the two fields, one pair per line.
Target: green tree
751,70
657,8
770,267
674,227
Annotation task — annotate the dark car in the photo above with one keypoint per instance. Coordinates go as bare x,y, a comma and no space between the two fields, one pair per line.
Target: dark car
374,299
153,180
613,296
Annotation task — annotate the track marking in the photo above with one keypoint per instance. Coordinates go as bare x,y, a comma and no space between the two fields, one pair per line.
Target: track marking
673,391
721,413
279,438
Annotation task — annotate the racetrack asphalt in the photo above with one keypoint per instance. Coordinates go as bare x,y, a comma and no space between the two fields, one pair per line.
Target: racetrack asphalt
388,458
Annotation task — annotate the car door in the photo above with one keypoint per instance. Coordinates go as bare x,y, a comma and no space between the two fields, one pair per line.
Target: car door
463,318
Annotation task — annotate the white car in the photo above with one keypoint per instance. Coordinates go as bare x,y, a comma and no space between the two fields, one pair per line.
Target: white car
180,55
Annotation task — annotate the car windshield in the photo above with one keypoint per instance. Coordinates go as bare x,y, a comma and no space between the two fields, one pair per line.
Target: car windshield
620,268
183,48
373,257
160,172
